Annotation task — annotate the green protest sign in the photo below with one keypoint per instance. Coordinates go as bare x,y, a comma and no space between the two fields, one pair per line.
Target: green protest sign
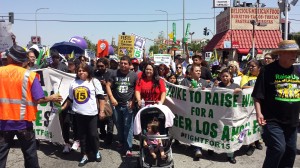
215,119
174,32
186,32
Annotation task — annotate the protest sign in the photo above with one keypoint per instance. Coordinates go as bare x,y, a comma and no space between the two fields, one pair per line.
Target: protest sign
90,53
126,45
214,119
47,125
139,44
5,36
162,59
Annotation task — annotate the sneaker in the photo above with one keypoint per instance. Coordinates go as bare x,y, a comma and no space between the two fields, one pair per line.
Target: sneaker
176,142
198,153
210,152
102,136
231,160
108,139
250,150
119,146
128,153
67,148
258,145
98,157
75,145
83,161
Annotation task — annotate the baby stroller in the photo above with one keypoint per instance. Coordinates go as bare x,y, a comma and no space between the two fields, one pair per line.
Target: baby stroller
165,118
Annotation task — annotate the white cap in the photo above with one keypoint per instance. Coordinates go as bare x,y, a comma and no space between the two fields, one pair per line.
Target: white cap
36,47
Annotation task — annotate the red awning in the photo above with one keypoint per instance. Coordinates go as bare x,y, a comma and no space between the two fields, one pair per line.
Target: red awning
246,51
242,39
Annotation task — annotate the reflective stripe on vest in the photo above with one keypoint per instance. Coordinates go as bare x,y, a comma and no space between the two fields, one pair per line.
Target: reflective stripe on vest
24,95
16,101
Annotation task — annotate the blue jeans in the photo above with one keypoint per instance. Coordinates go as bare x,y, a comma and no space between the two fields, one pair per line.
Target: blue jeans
281,143
123,118
27,141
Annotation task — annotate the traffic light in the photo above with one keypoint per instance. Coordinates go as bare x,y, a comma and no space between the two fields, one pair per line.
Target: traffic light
205,32
11,17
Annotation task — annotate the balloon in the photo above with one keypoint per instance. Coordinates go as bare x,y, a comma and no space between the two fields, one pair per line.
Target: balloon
79,41
111,50
102,48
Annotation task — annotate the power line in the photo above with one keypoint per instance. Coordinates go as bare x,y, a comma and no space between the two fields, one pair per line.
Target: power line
107,14
106,21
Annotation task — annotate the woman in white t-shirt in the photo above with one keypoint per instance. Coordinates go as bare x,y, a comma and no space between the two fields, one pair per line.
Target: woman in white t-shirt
84,92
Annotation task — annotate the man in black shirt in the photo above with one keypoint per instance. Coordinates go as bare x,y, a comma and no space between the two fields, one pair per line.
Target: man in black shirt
56,64
120,90
102,74
277,103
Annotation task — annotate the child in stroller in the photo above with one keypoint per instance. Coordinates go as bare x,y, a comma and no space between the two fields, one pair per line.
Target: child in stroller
163,119
154,144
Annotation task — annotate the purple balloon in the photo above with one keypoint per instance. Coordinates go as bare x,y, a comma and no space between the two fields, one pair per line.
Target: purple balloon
79,41
111,50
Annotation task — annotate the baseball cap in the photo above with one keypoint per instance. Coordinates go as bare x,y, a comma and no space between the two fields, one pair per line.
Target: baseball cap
135,61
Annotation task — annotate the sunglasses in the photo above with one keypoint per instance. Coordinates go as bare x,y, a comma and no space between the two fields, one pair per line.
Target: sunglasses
161,69
100,66
178,67
132,69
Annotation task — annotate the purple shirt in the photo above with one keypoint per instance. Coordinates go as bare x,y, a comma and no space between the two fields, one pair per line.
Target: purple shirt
9,125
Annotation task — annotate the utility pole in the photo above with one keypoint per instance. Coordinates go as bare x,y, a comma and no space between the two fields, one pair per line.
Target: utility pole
183,28
286,6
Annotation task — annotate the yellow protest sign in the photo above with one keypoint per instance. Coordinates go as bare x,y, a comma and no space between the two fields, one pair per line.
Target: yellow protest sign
126,45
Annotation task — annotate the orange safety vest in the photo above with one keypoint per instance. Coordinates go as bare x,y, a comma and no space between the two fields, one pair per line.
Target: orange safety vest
16,102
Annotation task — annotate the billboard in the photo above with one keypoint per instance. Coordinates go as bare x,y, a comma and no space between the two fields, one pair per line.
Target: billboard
239,18
221,3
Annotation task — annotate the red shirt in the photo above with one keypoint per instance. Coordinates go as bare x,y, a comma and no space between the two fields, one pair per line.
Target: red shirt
148,93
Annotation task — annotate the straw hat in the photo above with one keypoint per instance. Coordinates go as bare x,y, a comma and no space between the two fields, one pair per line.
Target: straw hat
287,45
17,53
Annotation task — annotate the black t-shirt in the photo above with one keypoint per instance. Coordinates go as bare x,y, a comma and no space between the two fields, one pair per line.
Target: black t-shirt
231,86
179,79
200,83
278,89
123,85
205,73
102,76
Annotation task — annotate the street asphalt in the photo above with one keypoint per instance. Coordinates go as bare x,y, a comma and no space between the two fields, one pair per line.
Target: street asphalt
51,156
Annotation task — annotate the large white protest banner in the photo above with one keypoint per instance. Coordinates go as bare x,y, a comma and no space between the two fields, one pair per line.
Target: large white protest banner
214,119
5,36
47,125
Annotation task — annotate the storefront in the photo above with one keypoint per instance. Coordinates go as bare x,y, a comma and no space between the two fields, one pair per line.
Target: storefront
237,27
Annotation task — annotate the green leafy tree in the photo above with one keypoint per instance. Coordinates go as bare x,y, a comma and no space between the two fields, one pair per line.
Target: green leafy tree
198,46
154,48
91,46
296,37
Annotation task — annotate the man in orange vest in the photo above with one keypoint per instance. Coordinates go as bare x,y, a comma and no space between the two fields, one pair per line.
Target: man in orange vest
20,92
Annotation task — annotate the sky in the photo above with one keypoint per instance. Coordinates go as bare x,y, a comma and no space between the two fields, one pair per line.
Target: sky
199,13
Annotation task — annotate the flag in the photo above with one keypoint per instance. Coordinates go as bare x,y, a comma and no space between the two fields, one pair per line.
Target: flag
71,55
214,58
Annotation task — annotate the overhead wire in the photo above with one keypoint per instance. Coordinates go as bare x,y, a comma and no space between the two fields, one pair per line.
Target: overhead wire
106,21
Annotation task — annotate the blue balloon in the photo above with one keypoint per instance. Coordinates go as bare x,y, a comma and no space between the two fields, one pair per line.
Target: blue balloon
79,41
